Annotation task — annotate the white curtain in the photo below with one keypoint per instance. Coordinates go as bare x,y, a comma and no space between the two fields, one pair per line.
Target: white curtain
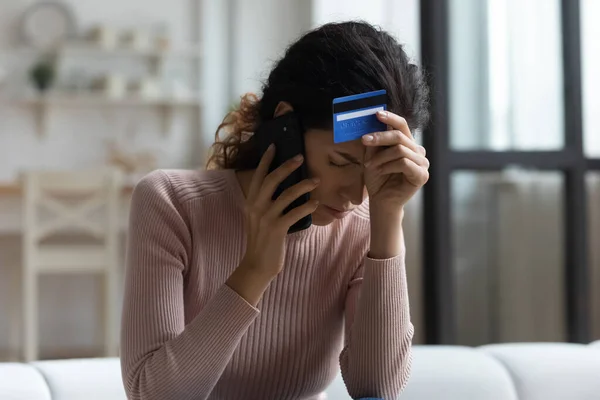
507,230
594,250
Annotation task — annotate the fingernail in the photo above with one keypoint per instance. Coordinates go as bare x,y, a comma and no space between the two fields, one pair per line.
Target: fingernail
368,138
367,164
382,114
299,157
271,147
316,181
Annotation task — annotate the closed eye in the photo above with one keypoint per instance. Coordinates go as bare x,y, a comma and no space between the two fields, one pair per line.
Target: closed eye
338,165
350,159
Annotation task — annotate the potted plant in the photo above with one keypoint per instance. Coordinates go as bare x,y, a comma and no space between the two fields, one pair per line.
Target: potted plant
42,75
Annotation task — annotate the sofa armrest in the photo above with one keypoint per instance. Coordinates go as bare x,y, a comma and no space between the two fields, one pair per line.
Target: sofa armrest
22,382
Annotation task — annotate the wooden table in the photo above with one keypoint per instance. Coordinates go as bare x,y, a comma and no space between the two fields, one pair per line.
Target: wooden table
10,189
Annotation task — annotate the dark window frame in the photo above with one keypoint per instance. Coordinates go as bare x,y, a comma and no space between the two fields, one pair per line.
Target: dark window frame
438,274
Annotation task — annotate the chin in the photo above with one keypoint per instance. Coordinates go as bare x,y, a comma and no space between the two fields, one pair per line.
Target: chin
320,218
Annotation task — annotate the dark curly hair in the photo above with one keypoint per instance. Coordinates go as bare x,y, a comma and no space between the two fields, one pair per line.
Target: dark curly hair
334,60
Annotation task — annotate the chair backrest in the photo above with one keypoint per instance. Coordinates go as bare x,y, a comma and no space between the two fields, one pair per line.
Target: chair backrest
71,198
68,203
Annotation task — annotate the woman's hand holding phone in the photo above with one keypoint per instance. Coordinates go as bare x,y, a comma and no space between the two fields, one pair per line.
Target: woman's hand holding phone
267,226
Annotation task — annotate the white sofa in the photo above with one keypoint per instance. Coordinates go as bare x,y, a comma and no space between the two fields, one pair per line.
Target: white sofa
531,371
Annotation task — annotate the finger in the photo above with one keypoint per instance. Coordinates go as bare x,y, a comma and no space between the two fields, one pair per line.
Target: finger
395,121
370,152
415,174
261,171
392,138
273,180
395,153
291,194
296,214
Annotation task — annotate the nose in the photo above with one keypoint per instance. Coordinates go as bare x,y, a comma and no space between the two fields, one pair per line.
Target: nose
354,191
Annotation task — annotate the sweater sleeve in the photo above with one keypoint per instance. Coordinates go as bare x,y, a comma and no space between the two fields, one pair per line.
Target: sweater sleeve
161,357
376,359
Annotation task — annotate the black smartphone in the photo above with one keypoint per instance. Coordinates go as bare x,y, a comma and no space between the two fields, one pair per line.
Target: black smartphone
287,134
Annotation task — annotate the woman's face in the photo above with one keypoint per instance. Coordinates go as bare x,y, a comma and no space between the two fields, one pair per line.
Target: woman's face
340,168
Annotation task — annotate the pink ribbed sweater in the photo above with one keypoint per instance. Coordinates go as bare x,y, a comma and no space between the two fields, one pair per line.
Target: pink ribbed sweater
187,335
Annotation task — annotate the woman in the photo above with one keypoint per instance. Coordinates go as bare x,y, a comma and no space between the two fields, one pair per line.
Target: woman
221,303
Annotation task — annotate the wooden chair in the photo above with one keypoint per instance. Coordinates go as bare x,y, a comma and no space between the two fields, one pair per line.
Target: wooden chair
73,200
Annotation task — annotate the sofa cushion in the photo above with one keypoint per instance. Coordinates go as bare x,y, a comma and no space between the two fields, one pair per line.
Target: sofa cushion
90,379
448,373
456,373
544,371
22,382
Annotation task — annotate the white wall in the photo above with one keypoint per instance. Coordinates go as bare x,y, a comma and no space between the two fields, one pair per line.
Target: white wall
216,82
257,45
77,137
398,17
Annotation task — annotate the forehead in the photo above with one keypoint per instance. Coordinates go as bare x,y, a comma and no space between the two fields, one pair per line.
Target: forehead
322,140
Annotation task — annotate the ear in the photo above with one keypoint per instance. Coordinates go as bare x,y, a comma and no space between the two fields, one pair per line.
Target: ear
282,108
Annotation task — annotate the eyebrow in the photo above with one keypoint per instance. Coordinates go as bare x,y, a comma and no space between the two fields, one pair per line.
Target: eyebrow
349,157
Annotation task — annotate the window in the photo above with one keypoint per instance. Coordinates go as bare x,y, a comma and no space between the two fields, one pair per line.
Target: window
507,254
507,189
505,75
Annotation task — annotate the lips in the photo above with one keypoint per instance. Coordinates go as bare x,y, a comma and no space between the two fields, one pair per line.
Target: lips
337,213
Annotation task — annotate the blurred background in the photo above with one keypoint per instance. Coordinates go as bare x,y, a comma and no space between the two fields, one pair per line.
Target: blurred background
502,244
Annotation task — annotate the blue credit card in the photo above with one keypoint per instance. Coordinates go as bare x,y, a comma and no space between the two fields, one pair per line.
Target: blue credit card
354,116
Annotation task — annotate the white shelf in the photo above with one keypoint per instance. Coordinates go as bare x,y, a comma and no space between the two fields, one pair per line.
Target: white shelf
84,49
99,100
43,104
